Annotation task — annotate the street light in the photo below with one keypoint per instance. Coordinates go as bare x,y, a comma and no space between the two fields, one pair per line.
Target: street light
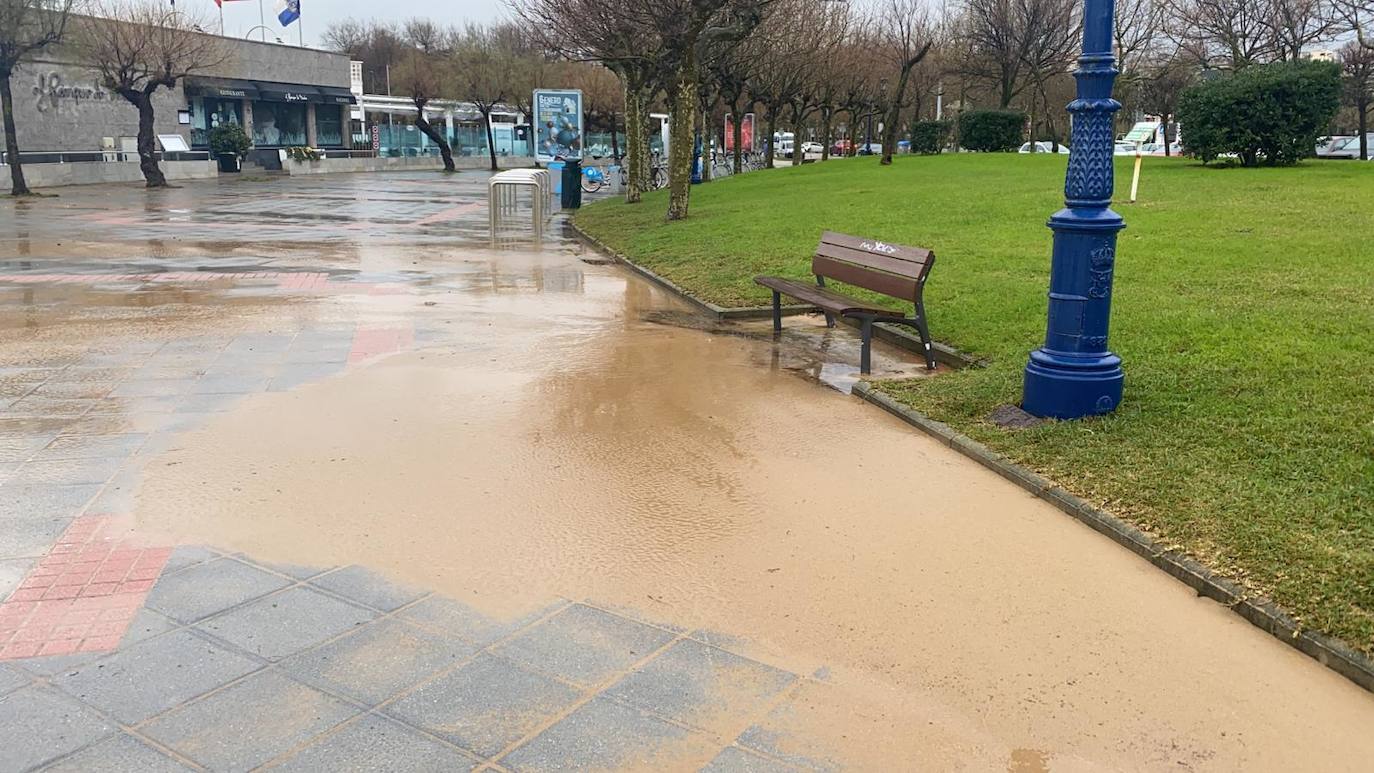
1074,374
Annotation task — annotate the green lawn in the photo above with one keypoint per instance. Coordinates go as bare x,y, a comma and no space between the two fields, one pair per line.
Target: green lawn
1243,309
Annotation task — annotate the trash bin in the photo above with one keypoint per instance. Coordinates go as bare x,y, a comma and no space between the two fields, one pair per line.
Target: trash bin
556,172
571,195
228,162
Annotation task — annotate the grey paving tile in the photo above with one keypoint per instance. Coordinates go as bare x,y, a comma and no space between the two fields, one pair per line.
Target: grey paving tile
374,743
41,405
92,446
704,687
145,625
583,645
484,706
248,723
459,619
75,390
38,724
605,735
11,678
12,572
152,387
203,590
735,760
286,623
298,571
65,472
186,556
121,752
27,537
229,385
36,501
152,676
378,660
212,403
368,587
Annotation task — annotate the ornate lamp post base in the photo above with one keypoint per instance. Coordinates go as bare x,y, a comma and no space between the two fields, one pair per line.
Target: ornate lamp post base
1074,374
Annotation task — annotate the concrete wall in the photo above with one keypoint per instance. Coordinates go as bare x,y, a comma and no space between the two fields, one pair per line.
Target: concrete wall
53,175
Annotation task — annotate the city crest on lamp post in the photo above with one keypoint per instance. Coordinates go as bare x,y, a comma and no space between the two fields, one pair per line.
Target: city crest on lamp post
1074,374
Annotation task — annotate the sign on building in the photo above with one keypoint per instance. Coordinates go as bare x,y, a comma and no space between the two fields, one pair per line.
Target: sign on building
557,124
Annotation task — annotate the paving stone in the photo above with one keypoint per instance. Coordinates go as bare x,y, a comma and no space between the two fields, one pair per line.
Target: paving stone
121,752
704,687
732,759
152,387
229,385
458,619
40,501
378,660
65,472
11,679
145,625
203,590
152,676
93,446
12,572
248,723
286,623
30,538
38,724
298,571
484,706
605,735
583,645
374,743
187,555
368,587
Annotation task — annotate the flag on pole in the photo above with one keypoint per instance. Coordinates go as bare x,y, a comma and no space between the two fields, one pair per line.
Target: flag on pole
288,11
221,3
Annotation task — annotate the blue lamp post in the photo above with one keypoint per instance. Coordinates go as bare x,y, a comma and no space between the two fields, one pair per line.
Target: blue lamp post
1073,374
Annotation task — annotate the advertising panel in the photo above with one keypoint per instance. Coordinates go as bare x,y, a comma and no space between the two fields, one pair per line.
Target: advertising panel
558,124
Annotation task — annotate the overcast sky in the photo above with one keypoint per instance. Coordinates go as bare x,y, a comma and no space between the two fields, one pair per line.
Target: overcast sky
241,16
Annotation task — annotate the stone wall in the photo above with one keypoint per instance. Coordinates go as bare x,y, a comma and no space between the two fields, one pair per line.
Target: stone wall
331,165
86,173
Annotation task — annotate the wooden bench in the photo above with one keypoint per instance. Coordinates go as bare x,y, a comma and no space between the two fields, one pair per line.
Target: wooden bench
890,269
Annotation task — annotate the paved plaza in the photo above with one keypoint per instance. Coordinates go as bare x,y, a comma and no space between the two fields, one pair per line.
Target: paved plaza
309,474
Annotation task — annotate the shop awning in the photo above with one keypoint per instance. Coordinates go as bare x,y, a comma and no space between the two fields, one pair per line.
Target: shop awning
227,88
288,92
337,95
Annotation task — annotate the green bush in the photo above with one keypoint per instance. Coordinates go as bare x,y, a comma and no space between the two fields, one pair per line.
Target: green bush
929,137
1269,113
229,138
991,131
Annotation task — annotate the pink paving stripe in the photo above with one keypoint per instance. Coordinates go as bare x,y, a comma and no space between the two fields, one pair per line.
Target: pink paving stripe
82,595
374,342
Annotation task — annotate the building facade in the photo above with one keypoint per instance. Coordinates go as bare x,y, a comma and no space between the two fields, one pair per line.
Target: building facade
282,95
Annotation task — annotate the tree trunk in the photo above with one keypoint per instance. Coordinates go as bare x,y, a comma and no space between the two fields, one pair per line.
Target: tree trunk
429,131
680,126
737,130
615,142
17,185
772,131
853,134
825,133
491,143
634,140
1363,107
798,156
703,132
147,151
894,114
1165,118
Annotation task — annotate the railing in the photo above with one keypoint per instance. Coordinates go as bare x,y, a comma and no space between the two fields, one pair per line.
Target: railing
99,156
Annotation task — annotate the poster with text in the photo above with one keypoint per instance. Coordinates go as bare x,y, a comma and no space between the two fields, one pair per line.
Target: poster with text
558,124
746,133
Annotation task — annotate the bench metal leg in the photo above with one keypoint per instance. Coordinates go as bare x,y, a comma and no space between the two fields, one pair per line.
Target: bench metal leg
924,330
777,312
866,351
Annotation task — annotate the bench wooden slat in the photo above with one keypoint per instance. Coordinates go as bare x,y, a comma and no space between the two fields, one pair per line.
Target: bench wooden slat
906,268
821,297
876,247
861,276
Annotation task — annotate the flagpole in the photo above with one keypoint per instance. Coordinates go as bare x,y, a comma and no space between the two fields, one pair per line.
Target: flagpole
262,22
220,3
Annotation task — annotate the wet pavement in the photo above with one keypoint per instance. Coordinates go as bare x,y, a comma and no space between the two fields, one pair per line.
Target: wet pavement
307,473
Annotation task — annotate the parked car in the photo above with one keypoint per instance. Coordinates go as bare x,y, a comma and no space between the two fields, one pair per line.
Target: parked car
1350,147
842,147
1043,147
784,148
812,147
1326,144
871,149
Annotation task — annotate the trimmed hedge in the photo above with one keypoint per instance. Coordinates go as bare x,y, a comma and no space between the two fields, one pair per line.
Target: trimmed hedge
1270,113
929,137
991,131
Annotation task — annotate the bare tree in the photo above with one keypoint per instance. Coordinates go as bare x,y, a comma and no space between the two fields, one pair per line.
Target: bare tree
425,77
140,47
378,45
26,27
1357,65
1052,30
1163,79
1294,25
484,59
1225,34
907,37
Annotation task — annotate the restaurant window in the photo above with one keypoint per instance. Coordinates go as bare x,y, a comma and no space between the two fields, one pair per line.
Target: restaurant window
328,125
278,123
210,113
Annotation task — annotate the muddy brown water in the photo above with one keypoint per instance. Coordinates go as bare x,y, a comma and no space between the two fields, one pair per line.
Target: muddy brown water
561,446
